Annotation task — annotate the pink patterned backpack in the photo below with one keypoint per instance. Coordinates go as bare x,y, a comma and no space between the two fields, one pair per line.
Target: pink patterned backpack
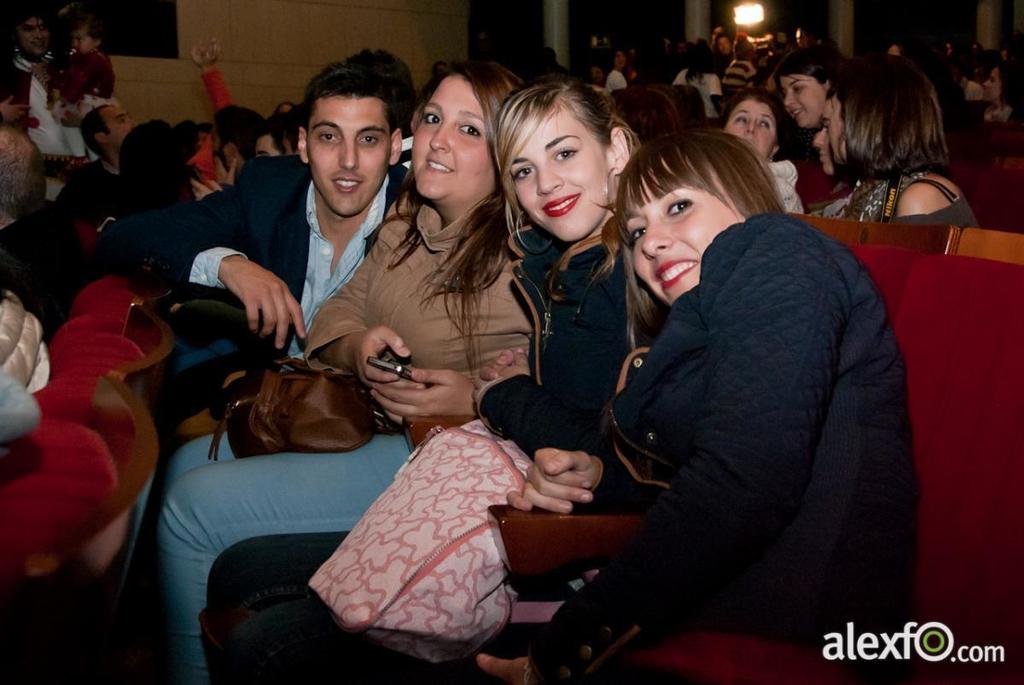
421,572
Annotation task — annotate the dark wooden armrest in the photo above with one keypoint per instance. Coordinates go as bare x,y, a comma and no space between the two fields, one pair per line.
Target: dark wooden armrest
416,429
148,286
539,542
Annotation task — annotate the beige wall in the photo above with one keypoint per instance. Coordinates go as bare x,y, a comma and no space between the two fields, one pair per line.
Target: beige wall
270,49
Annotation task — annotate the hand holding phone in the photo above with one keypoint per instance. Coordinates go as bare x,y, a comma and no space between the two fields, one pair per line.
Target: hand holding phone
400,370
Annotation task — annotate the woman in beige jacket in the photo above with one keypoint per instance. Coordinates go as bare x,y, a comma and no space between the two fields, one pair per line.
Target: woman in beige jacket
436,288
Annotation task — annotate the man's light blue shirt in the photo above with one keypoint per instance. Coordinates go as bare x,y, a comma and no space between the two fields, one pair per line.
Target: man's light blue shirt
320,281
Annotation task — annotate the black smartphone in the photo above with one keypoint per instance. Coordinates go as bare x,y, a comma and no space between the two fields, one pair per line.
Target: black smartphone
400,370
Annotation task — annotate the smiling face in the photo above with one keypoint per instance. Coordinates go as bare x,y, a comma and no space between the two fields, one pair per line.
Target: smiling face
451,159
348,147
32,37
669,236
562,175
804,99
753,121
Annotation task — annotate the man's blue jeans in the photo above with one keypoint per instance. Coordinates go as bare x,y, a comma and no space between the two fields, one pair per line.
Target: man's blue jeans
209,506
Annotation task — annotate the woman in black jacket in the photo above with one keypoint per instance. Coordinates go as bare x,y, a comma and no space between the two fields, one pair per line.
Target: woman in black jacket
766,425
560,149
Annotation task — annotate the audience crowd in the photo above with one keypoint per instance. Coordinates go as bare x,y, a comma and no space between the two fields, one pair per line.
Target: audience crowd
509,242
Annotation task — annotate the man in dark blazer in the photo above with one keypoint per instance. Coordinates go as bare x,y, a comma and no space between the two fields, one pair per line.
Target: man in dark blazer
292,230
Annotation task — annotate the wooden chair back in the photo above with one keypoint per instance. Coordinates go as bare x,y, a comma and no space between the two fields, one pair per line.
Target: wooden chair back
154,337
999,246
927,238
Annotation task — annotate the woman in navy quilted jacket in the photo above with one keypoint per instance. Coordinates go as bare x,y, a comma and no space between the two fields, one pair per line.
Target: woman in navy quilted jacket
766,426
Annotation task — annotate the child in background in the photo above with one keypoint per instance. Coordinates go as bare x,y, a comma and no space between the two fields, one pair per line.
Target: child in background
88,82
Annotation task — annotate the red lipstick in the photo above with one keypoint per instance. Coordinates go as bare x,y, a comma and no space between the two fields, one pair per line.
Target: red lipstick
684,266
561,206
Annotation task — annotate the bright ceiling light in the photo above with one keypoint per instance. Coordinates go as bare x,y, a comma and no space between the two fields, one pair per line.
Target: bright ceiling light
746,15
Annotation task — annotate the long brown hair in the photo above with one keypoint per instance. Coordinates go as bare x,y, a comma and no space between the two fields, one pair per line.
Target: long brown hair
481,253
712,161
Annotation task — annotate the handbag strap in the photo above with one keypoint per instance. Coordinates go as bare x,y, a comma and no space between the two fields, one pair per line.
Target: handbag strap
218,434
232,405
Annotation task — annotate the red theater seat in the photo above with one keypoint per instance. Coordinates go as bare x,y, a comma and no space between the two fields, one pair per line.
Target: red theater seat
960,328
90,353
68,398
109,297
890,267
51,482
997,198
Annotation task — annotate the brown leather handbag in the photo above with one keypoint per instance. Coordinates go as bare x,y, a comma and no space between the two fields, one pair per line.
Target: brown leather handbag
295,409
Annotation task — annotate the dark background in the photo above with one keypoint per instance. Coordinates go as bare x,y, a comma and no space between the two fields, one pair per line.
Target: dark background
515,36
512,32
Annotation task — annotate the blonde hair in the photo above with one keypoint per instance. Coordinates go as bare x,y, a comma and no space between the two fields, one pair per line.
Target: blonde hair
523,113
711,161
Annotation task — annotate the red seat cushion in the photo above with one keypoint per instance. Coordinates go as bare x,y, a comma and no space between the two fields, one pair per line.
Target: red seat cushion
889,268
708,657
108,297
960,328
51,483
88,323
68,398
90,353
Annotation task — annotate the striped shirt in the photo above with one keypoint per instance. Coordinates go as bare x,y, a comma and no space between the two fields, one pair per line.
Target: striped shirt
738,75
